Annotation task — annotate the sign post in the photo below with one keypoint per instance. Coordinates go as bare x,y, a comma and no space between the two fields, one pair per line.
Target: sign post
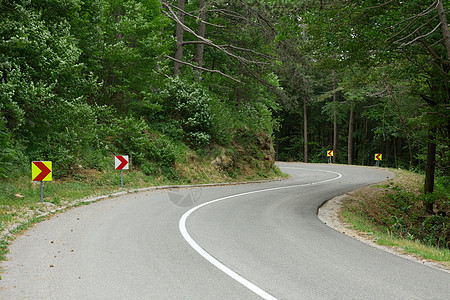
330,155
378,157
121,163
42,191
41,171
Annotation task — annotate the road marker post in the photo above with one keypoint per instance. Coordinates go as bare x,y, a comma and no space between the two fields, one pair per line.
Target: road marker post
330,154
41,171
378,157
121,163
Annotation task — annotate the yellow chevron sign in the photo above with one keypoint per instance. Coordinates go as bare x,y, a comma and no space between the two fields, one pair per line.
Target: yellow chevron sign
41,171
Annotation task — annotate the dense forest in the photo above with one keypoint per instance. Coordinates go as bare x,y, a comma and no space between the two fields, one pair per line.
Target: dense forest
81,80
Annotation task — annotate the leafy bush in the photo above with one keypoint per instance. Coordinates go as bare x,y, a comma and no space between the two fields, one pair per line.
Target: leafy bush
132,137
257,116
161,157
189,104
154,154
7,153
223,125
60,134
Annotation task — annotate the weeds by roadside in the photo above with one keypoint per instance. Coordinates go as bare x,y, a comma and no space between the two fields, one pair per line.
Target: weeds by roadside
394,214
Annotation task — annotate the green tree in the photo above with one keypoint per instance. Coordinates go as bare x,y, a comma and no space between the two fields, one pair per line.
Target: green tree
402,36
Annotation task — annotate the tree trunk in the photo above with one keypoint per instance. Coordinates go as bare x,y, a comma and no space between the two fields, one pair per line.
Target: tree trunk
444,26
350,137
410,150
387,150
200,48
395,147
364,142
430,168
239,89
179,36
305,131
335,129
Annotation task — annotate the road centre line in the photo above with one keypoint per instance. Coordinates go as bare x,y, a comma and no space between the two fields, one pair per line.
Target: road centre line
182,227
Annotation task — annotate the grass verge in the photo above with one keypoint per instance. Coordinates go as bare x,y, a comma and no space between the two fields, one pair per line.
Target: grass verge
392,214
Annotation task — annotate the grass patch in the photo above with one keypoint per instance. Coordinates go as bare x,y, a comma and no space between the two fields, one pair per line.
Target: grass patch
393,214
417,249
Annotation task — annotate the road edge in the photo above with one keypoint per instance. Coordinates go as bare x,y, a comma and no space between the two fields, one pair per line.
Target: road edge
50,209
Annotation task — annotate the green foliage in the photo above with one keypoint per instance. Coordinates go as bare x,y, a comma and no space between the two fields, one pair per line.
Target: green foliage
403,213
7,154
223,121
123,46
131,136
81,81
61,139
161,157
189,105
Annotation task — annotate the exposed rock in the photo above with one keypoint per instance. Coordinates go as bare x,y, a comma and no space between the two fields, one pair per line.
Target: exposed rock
222,162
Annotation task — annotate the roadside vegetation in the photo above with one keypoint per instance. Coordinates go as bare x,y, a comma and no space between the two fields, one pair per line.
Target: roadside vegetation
20,204
394,214
214,90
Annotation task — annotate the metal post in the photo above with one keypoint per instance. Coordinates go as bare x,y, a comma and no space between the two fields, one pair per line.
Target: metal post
378,163
42,191
329,159
121,177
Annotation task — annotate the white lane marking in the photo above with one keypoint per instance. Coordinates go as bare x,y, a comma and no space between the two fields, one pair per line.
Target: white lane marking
218,264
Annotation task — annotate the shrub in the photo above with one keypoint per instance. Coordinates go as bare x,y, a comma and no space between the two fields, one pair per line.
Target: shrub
403,213
189,105
7,153
132,137
61,133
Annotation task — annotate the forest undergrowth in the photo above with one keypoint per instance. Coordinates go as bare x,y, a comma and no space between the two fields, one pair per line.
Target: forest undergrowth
394,214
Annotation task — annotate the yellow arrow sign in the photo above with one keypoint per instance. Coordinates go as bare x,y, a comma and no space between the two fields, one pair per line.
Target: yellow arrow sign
41,171
330,153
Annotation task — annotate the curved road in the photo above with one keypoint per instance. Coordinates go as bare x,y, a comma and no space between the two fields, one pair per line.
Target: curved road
248,241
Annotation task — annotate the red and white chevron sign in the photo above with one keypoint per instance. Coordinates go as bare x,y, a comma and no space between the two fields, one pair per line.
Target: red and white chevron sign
121,162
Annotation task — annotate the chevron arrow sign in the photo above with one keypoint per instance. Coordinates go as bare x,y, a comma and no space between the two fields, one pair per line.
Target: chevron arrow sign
121,162
41,171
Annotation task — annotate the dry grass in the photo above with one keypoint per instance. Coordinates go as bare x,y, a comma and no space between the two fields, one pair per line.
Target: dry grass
393,213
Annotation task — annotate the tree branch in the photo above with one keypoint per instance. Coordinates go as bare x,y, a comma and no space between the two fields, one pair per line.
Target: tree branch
193,16
203,69
173,16
428,100
415,31
422,36
229,13
435,55
413,18
248,50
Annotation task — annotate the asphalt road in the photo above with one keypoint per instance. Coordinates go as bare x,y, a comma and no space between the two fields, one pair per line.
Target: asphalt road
248,241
